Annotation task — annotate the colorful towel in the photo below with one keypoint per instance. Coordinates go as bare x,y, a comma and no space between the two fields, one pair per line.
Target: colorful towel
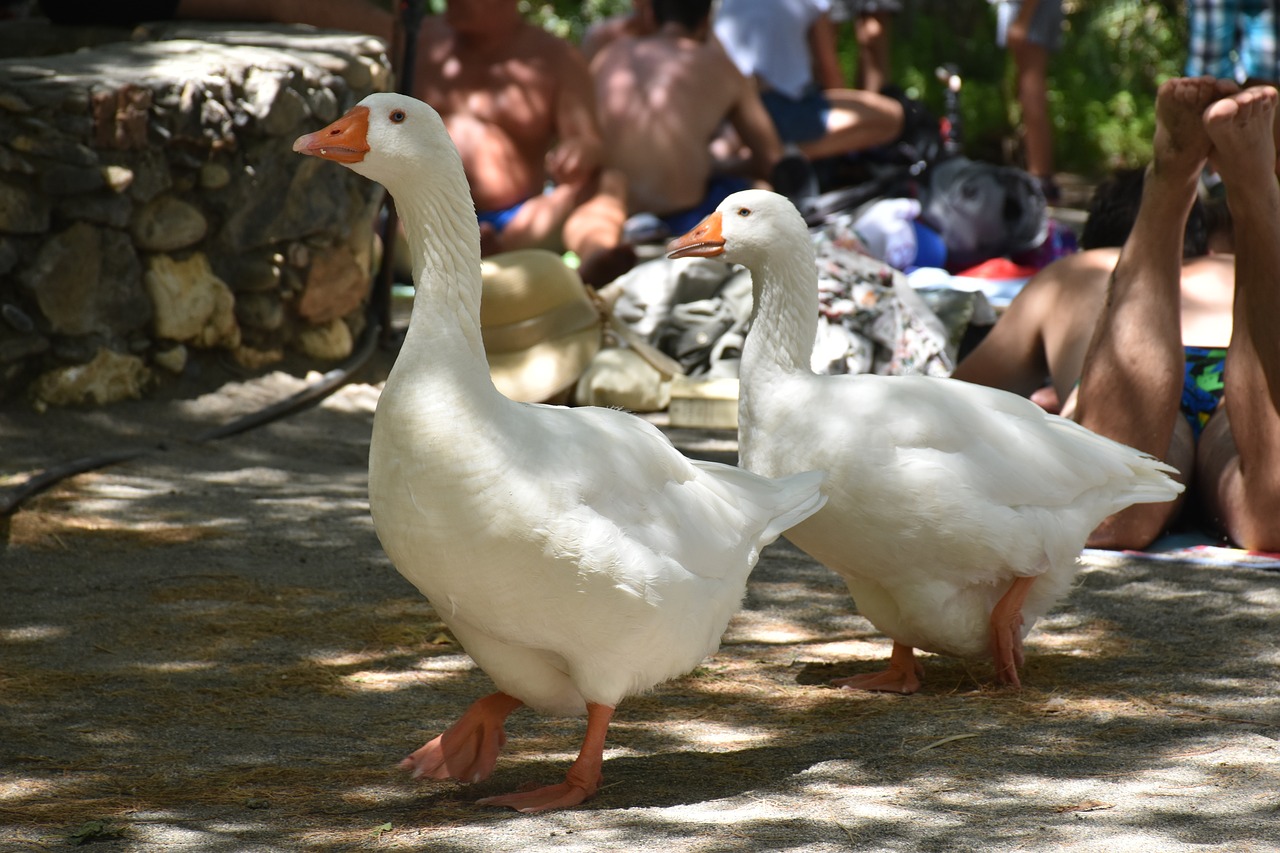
1193,547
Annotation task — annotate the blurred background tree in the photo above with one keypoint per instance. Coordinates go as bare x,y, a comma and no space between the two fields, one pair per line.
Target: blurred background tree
1103,81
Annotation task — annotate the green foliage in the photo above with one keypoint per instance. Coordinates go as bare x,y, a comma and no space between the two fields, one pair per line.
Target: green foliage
1102,82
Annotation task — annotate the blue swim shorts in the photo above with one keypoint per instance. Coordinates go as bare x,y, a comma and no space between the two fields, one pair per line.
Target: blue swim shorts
800,119
499,219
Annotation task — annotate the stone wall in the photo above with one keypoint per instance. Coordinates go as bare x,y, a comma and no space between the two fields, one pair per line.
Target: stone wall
153,214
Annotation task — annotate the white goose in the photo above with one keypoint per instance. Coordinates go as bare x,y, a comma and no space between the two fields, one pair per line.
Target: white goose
577,556
955,512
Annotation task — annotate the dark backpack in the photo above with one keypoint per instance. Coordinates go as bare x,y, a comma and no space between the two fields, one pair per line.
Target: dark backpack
982,211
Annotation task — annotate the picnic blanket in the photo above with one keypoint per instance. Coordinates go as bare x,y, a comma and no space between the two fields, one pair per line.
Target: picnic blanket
1192,547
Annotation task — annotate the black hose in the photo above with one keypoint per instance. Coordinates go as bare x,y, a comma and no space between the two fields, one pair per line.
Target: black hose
12,499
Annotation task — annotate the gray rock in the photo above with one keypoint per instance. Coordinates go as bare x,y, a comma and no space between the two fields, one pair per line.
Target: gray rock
260,311
101,208
85,280
21,211
166,224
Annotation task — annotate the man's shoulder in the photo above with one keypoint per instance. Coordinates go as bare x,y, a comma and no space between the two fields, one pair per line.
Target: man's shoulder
531,37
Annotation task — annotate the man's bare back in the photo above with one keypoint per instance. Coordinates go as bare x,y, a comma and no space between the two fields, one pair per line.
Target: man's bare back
661,99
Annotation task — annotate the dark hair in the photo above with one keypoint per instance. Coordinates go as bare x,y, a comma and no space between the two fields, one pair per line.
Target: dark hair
689,14
1114,207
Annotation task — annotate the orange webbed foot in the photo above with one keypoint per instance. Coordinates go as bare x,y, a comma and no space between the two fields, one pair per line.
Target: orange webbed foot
467,750
1006,632
561,796
903,675
582,780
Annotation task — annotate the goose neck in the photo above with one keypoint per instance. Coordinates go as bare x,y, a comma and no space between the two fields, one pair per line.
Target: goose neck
784,321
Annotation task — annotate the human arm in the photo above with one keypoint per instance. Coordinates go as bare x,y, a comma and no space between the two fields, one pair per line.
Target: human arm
1012,356
754,125
822,50
578,151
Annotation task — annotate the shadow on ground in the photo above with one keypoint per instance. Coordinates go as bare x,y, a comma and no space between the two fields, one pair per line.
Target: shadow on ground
206,649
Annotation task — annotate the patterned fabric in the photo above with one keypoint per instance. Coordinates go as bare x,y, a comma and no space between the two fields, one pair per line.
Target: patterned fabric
872,320
1202,388
1232,39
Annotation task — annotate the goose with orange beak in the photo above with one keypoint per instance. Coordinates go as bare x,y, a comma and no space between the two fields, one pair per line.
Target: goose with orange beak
575,554
955,512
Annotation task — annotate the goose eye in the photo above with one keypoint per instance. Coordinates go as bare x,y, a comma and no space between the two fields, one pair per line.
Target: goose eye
744,211
397,116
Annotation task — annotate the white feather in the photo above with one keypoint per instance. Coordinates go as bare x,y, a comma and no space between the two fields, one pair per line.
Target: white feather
940,493
576,555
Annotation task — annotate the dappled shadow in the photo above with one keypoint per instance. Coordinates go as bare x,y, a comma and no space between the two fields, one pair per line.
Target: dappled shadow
207,649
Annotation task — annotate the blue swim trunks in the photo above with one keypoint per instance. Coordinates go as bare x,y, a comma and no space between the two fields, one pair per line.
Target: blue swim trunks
499,219
800,119
719,188
1202,387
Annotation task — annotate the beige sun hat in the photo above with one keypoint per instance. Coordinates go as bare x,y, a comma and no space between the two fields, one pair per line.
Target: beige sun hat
540,327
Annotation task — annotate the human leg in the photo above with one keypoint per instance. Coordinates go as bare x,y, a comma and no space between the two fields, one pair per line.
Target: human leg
539,221
1240,448
856,121
872,31
585,219
593,231
1131,383
1032,71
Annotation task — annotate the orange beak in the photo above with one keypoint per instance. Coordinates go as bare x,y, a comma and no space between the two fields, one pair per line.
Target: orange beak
704,241
344,141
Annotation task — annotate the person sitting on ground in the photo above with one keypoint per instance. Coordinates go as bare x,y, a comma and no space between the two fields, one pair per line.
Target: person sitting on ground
517,101
662,99
1180,359
519,104
781,43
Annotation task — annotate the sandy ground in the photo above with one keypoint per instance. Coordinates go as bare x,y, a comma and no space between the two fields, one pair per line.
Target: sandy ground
205,649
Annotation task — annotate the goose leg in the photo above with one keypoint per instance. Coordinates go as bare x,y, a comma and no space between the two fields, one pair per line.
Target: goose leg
1006,631
582,780
902,676
468,749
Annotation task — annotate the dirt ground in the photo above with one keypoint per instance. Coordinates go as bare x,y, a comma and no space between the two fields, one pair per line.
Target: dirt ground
206,649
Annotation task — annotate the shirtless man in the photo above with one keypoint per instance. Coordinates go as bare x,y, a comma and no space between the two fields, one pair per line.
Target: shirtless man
518,102
1129,347
638,22
662,99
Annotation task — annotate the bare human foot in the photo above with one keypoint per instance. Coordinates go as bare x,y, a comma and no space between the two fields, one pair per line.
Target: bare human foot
1241,129
1181,144
1240,465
